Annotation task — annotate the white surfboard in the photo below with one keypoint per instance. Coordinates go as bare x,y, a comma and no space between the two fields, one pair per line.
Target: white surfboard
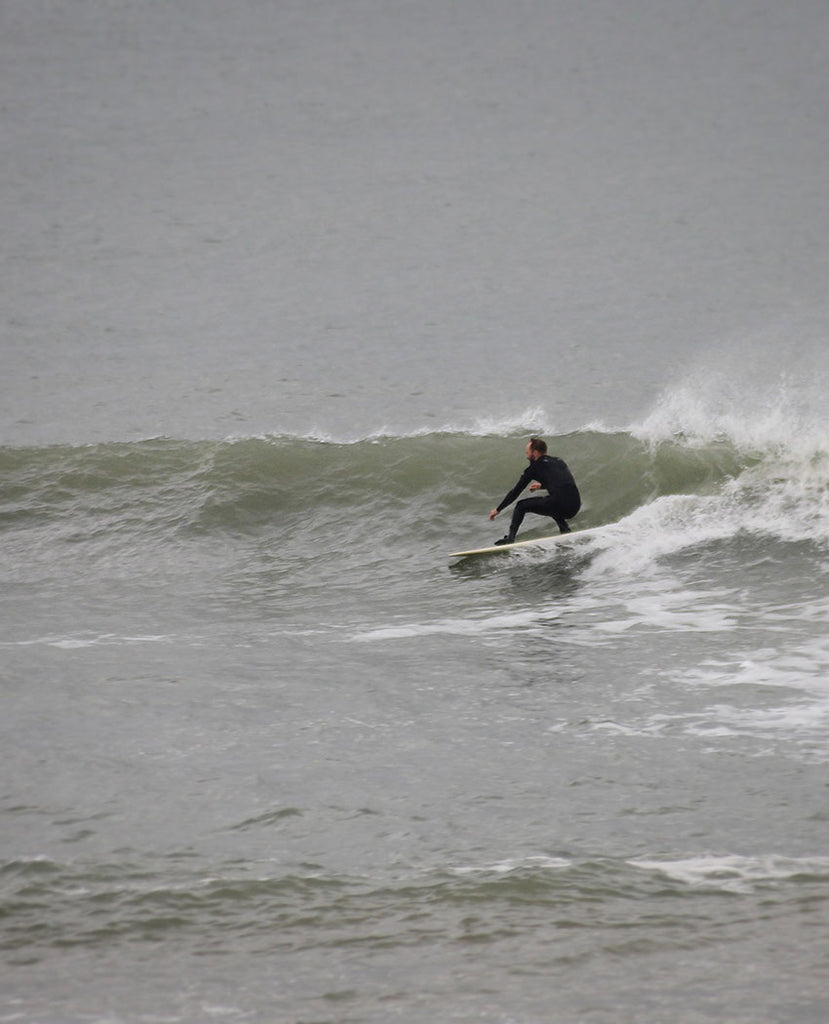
537,542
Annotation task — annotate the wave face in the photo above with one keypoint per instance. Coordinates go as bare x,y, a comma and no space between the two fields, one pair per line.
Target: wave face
407,490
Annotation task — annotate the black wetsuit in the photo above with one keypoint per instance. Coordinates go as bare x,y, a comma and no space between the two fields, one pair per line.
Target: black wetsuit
562,501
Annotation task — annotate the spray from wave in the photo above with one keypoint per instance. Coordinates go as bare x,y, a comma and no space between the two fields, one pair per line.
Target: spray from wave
761,392
773,424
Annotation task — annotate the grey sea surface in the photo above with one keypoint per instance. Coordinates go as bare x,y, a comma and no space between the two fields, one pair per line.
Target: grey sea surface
286,287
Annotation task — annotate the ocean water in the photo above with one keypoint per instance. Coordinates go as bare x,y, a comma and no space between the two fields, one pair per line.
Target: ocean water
286,288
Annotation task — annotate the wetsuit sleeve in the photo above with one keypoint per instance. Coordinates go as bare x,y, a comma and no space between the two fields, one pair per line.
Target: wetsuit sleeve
526,476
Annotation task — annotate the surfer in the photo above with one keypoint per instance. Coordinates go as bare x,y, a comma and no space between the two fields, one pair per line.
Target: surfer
562,501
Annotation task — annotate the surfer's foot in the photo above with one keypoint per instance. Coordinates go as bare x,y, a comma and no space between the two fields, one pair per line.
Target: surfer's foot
505,540
563,527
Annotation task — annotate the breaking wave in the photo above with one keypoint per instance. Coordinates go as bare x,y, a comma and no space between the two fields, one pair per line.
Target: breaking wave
707,466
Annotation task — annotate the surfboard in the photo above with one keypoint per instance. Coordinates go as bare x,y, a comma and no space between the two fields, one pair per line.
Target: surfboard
554,540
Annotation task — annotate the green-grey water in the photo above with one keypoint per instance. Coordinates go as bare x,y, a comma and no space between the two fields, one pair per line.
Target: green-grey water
287,287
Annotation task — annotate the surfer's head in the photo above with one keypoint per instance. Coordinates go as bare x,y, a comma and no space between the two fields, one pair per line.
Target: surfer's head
536,447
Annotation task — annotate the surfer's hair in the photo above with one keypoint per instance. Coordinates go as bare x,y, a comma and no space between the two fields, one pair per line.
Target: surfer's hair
537,445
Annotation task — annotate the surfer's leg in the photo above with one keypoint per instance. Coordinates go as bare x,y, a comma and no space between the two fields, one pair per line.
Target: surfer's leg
545,506
524,506
518,514
556,510
515,522
562,508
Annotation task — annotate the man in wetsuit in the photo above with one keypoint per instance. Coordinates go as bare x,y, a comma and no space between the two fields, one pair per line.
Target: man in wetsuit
562,501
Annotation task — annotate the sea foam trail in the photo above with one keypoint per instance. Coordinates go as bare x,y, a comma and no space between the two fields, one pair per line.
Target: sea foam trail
738,874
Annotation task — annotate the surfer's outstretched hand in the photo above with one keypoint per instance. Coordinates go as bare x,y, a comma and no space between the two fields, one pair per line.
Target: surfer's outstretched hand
493,513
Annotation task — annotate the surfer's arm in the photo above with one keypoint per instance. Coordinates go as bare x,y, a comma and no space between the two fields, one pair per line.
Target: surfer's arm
513,494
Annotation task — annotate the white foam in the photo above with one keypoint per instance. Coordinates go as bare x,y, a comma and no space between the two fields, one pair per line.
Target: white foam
80,641
530,421
735,873
510,866
799,728
533,420
763,392
665,526
699,417
796,719
672,611
455,627
805,669
780,498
